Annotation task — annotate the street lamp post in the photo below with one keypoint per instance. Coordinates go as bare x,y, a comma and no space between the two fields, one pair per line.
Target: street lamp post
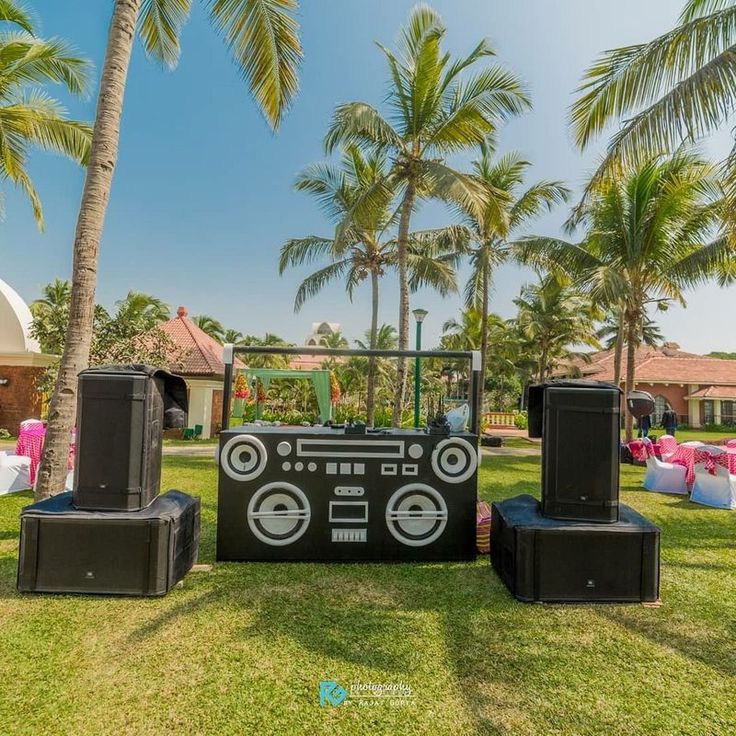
419,315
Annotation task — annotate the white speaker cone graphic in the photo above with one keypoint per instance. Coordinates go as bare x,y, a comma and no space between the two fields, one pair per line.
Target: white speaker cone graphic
416,515
243,457
454,460
278,513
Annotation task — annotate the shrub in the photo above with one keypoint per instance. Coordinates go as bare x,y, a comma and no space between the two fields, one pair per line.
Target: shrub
4,434
521,420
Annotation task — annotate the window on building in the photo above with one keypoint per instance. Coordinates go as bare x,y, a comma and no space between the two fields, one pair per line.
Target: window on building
727,413
660,405
708,411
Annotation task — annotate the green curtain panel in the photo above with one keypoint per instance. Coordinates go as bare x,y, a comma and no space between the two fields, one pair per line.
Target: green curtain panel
320,380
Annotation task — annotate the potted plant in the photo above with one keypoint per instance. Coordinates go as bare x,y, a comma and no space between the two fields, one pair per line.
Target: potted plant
242,394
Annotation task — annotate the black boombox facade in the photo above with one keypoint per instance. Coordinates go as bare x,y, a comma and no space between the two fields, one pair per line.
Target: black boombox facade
318,493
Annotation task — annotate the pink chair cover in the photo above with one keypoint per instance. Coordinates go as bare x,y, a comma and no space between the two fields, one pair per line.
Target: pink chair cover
668,444
30,444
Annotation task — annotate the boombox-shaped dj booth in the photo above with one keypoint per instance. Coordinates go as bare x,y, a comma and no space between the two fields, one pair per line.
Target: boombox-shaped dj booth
346,493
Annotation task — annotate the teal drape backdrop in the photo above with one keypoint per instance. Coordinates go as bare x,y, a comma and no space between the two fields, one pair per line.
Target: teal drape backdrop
320,380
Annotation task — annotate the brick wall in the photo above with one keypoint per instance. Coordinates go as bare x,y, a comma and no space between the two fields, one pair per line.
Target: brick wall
673,392
19,399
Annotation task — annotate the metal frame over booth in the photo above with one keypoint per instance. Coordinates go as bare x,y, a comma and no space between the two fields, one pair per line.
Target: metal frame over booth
472,356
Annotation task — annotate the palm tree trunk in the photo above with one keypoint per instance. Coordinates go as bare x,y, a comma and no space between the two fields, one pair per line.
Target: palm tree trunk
403,242
371,388
483,332
630,370
103,156
618,350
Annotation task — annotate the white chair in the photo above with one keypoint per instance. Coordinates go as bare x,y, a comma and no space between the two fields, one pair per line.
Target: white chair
667,446
15,473
665,477
718,491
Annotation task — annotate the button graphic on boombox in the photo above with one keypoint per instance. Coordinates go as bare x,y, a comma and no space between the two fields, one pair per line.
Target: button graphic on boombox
318,494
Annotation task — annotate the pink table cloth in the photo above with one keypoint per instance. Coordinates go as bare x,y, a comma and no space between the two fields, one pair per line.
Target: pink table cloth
30,444
690,456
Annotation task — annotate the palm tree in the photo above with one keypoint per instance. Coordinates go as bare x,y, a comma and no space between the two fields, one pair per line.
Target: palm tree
506,208
646,241
612,331
552,318
363,250
51,316
676,88
144,308
434,110
262,36
232,337
381,373
262,360
333,340
211,326
28,116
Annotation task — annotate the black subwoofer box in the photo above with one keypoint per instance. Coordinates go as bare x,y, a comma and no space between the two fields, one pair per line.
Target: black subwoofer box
542,559
120,421
579,422
142,553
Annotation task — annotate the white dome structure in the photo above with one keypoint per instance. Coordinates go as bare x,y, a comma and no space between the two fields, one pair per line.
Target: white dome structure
15,323
21,361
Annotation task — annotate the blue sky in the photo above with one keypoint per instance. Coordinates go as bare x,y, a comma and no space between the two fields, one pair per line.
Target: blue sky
203,199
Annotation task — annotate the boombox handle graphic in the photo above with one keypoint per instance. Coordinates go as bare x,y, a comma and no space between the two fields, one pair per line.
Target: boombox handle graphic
230,350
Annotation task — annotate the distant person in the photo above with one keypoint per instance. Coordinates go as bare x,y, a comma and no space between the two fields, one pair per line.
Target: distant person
669,421
645,424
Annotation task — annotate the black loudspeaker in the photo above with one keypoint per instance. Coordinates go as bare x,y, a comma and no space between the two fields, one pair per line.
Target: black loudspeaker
143,553
121,414
542,559
319,493
580,423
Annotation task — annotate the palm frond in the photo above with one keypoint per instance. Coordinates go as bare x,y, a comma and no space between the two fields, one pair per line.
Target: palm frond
473,292
439,241
263,37
698,8
39,119
159,24
12,12
478,105
25,59
361,124
298,251
540,196
314,283
554,255
422,22
632,78
449,185
717,258
430,271
328,184
691,110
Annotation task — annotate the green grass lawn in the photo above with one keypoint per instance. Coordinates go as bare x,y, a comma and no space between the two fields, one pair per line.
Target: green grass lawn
241,649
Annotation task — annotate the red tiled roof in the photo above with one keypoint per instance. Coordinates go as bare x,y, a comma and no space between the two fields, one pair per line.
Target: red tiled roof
198,354
663,365
715,392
